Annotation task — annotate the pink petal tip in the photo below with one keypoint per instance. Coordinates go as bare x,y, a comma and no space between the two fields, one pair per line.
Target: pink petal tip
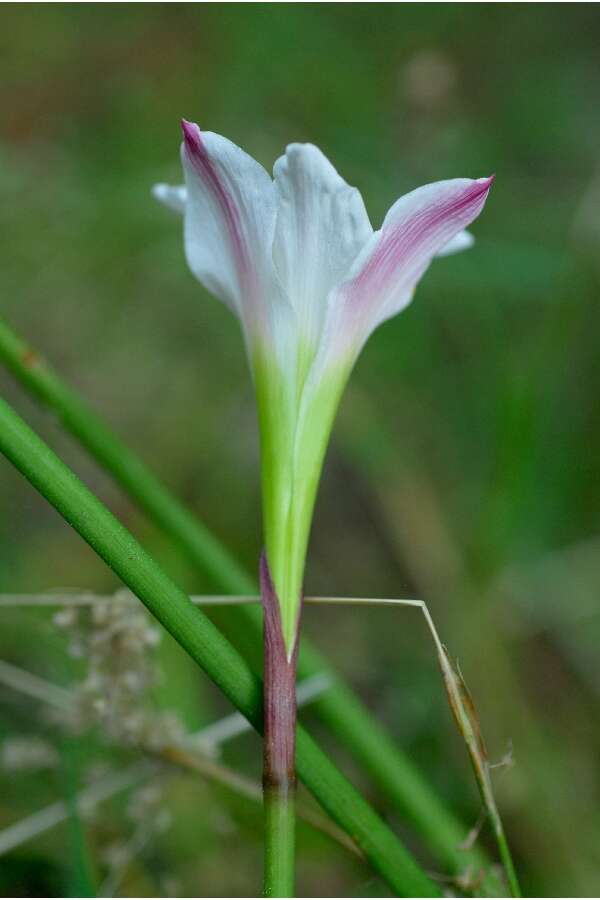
191,135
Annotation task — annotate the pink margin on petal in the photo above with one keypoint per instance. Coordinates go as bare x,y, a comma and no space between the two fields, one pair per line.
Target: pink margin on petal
198,156
401,241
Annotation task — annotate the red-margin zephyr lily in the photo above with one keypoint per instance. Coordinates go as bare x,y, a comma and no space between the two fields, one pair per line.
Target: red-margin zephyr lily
296,259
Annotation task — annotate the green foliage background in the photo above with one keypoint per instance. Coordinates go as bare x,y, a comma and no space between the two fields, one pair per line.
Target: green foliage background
464,465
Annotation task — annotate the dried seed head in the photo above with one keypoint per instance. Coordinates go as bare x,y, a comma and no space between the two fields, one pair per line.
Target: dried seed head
117,640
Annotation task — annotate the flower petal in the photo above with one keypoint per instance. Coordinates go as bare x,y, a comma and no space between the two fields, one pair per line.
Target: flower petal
229,220
322,225
383,278
464,240
172,196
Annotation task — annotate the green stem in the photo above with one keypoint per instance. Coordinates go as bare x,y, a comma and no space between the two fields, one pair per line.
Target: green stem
507,860
205,644
280,825
340,709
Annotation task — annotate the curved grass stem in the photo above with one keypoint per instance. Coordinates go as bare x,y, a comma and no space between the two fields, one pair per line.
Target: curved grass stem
466,718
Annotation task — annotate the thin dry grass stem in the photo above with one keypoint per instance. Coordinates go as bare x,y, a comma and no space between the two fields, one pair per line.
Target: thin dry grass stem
34,686
78,598
466,718
87,800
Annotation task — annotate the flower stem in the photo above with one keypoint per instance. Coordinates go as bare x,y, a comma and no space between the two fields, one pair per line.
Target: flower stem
280,826
506,857
279,764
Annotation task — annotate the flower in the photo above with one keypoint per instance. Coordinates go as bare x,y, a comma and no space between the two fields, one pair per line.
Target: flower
296,259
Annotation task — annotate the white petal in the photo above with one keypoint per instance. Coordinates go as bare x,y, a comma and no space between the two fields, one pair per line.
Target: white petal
464,240
321,226
229,221
172,196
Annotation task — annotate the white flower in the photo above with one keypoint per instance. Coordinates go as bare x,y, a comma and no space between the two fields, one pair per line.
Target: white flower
297,260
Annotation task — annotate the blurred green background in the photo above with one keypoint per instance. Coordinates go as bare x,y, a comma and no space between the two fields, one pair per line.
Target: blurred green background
464,464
